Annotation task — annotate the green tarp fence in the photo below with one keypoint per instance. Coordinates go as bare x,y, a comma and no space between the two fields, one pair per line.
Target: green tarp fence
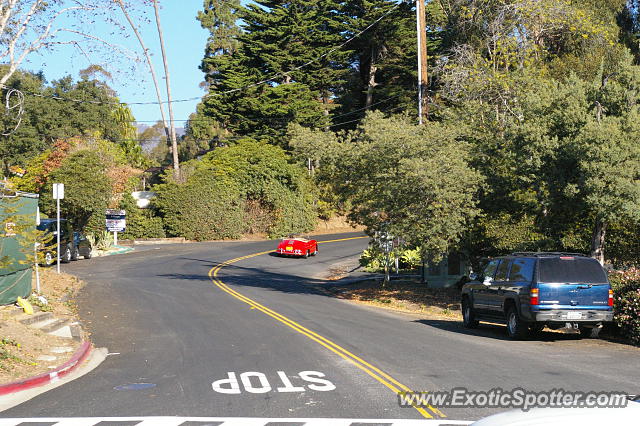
15,275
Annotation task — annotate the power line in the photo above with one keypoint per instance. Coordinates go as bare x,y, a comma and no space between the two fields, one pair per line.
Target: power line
200,120
367,107
219,138
404,105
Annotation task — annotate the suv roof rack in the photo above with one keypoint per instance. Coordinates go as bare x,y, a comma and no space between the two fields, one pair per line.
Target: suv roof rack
546,253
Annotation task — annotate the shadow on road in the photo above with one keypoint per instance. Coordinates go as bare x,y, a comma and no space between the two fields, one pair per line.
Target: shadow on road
255,277
495,331
234,275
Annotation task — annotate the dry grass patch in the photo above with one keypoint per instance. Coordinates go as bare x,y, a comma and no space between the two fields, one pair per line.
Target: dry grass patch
406,296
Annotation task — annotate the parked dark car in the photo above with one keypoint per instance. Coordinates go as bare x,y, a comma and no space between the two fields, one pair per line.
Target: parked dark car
82,246
72,244
529,291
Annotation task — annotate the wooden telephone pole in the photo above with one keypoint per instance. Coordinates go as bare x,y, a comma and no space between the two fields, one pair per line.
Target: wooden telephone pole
421,28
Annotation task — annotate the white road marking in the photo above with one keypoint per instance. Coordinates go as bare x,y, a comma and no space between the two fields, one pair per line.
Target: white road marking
227,421
256,382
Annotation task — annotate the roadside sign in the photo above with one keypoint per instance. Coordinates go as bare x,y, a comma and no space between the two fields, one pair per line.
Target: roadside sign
58,191
116,220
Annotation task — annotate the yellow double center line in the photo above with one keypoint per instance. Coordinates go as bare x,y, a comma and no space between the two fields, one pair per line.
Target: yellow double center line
363,365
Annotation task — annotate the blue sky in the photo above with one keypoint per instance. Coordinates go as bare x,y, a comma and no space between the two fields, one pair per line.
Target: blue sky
185,41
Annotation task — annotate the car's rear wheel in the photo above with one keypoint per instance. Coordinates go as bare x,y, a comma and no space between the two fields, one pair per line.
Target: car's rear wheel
315,252
468,315
48,258
66,255
516,327
306,254
88,255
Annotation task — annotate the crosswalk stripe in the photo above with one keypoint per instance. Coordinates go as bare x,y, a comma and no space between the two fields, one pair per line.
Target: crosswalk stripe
222,421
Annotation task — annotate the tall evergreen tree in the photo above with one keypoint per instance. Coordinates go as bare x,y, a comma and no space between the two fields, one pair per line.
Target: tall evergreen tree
277,49
220,18
384,58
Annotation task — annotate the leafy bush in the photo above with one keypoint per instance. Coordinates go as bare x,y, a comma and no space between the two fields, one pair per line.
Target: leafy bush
141,223
411,258
626,305
264,176
102,240
87,190
625,280
372,259
205,207
627,315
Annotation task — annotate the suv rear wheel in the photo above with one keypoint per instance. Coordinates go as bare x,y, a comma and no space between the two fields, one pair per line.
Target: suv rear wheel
48,258
66,255
516,327
75,254
468,315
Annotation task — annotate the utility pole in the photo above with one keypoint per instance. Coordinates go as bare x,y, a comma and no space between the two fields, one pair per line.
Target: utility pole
421,29
152,70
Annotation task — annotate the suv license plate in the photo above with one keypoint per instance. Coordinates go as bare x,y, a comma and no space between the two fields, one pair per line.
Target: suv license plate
574,315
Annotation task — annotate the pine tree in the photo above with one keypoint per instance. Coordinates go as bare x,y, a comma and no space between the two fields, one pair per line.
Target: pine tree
219,17
277,47
298,40
383,58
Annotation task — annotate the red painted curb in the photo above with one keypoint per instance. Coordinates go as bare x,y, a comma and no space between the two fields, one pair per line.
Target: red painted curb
53,376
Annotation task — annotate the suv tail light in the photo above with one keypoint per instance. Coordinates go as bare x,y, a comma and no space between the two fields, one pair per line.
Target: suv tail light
610,297
533,296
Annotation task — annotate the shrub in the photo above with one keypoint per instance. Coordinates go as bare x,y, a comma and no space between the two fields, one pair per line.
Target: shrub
267,180
87,190
626,306
627,315
625,280
372,259
141,223
101,240
205,207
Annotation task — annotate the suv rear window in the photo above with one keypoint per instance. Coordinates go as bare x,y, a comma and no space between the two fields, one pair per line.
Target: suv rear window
571,270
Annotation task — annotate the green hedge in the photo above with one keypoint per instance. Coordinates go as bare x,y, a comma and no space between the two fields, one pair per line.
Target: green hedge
264,174
141,223
626,305
627,315
203,208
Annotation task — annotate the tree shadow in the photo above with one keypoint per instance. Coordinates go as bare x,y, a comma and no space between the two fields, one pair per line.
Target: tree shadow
242,276
496,331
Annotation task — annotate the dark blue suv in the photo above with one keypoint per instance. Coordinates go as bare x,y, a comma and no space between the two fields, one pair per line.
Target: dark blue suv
530,290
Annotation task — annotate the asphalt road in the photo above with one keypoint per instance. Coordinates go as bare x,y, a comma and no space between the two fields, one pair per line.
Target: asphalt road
266,341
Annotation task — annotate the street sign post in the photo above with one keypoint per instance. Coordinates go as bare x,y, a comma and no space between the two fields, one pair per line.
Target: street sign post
116,221
58,194
35,253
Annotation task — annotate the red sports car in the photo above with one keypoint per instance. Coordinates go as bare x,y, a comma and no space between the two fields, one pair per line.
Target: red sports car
297,247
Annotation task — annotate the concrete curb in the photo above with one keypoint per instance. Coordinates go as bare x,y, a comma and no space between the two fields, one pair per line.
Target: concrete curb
121,251
148,241
53,376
